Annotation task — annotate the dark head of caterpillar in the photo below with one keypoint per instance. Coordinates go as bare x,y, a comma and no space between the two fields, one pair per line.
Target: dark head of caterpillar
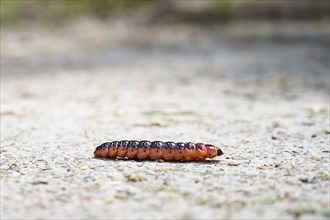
219,152
213,151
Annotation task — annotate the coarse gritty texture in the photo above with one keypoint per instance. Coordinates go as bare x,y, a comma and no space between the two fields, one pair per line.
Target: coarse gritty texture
258,92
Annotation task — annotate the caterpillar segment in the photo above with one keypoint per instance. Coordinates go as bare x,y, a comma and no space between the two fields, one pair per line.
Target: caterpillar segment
156,150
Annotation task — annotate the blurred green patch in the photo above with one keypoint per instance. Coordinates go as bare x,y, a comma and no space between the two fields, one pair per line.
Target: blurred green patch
197,11
298,212
60,10
224,9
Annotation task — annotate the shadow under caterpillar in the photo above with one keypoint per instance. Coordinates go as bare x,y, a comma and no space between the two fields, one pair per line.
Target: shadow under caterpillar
157,150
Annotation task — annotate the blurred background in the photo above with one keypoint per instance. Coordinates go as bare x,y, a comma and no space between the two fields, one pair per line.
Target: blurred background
207,11
250,76
130,14
85,34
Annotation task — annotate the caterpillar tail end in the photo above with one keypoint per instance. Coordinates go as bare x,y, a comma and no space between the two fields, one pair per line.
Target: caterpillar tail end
219,152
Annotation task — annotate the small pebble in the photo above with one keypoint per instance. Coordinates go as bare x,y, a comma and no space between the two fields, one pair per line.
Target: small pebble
121,195
232,164
168,180
304,180
83,167
314,136
274,138
40,183
135,177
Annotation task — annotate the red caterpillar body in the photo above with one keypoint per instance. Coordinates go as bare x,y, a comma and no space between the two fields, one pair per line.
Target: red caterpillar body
156,150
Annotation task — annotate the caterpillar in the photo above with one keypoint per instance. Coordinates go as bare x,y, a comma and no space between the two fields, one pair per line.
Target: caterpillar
157,150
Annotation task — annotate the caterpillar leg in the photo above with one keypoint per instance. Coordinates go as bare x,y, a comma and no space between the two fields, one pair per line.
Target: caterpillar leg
156,150
155,154
104,151
122,151
189,152
143,151
201,152
132,149
97,152
112,152
131,153
122,148
179,152
168,152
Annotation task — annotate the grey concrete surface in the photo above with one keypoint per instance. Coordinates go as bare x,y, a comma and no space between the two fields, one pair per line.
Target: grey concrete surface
259,91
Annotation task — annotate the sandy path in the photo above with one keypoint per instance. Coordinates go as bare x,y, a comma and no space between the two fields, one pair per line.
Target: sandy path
262,97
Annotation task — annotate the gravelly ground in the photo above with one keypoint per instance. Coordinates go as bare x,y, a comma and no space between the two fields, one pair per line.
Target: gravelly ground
258,91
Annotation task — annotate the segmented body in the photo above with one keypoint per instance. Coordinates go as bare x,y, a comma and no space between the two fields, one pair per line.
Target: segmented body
157,150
